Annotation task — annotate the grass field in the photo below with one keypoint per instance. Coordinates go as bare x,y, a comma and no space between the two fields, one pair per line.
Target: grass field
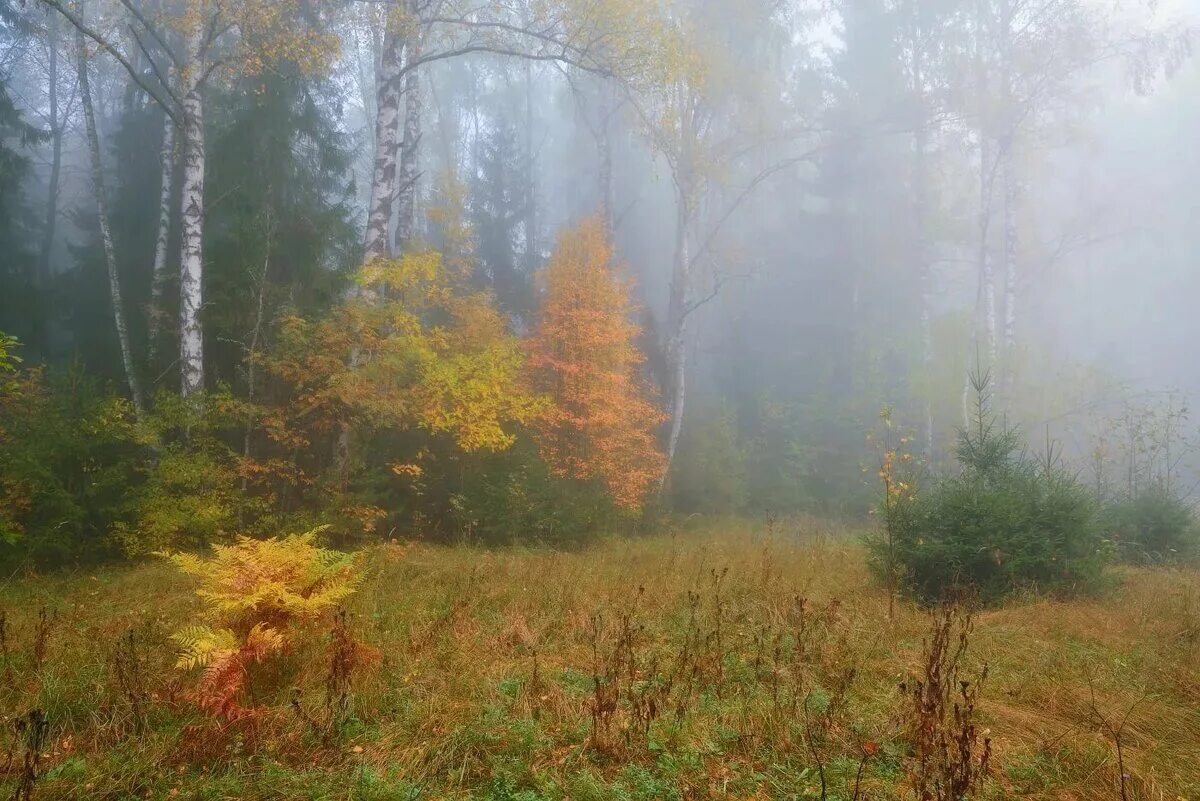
486,682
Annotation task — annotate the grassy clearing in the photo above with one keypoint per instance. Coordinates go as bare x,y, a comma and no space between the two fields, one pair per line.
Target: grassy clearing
485,687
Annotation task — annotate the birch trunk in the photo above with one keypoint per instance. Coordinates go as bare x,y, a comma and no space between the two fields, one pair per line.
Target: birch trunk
383,183
987,270
920,180
680,289
1009,249
158,274
387,128
532,257
41,273
1011,243
605,170
110,258
677,314
191,334
985,297
410,148
56,136
1008,202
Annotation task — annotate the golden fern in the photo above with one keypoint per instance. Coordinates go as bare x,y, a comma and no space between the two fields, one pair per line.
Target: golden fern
254,596
200,645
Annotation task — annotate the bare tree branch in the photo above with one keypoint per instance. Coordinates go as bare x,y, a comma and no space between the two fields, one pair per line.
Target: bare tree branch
153,31
169,102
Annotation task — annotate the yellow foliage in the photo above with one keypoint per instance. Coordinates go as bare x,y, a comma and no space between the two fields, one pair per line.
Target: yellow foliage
255,594
405,352
262,33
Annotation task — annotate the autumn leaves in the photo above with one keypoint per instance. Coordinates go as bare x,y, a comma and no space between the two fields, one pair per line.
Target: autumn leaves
601,420
433,353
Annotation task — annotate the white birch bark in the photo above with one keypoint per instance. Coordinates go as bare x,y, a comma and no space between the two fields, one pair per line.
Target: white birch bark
681,279
158,274
1011,244
191,334
605,172
920,182
987,269
410,149
389,74
677,314
56,142
387,128
532,256
1011,269
985,297
110,259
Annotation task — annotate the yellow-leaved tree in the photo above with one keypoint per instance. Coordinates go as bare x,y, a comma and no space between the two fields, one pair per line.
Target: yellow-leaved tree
583,355
412,350
256,596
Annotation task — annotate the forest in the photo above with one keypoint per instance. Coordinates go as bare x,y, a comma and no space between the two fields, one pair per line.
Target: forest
554,400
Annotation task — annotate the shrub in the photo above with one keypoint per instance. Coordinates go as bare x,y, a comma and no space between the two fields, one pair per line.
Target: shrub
256,596
710,475
512,497
68,454
194,490
1154,526
1004,522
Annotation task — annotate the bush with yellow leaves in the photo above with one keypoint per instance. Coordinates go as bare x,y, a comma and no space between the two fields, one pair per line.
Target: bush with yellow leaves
257,596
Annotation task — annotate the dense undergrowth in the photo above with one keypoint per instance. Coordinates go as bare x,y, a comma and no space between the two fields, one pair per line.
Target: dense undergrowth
742,663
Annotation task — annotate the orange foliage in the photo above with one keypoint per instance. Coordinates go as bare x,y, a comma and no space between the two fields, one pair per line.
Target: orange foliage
582,355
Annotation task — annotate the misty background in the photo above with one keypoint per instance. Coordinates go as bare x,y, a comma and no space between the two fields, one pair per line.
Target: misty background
837,162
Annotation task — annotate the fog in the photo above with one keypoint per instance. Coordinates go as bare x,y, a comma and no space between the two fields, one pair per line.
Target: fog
827,208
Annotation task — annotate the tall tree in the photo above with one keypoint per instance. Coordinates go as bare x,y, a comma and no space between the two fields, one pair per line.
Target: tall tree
237,38
110,256
583,355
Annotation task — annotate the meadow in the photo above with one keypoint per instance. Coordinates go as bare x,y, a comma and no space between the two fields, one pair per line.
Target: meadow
739,661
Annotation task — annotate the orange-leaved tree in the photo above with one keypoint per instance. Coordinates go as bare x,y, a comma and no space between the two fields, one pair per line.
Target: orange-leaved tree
600,425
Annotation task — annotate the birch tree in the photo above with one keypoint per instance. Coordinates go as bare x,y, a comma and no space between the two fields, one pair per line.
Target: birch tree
110,258
158,274
700,115
605,37
243,37
55,124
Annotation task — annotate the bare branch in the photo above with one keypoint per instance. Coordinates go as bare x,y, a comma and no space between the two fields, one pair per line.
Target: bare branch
169,102
153,65
153,32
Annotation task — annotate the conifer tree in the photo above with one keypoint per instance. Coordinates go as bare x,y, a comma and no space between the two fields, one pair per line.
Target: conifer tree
583,355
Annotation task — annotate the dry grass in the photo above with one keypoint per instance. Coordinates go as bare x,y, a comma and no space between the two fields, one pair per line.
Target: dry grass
486,687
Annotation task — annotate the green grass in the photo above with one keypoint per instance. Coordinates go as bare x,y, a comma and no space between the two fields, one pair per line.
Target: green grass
485,677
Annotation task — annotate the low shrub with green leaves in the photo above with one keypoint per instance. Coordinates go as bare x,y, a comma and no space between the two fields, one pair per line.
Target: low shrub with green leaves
511,497
1154,526
1004,522
68,453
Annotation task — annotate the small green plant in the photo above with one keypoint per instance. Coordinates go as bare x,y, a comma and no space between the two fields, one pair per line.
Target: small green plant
898,490
1154,526
1005,521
